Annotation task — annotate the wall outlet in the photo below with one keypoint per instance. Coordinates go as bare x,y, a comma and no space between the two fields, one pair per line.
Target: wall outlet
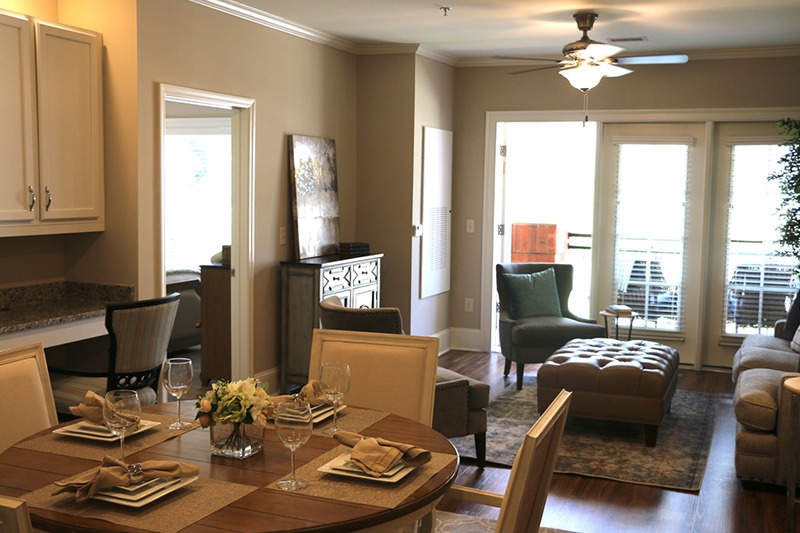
282,236
470,225
467,305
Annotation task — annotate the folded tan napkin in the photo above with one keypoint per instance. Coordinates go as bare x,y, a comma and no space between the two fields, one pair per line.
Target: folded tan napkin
375,455
311,392
91,408
114,473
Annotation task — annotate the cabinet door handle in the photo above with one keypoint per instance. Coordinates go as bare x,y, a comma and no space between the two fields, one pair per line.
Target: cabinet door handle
49,198
31,198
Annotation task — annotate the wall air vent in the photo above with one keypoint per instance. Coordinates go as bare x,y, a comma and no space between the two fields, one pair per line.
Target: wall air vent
627,39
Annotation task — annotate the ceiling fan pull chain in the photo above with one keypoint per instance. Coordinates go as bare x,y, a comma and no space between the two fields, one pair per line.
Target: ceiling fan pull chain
585,107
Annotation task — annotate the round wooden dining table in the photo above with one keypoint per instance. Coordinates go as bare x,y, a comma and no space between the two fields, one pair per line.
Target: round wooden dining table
29,469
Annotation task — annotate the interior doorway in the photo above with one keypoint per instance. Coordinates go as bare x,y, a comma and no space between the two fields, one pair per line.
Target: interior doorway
239,114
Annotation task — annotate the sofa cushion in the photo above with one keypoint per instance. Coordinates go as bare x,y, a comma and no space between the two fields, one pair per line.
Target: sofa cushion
755,400
533,294
764,351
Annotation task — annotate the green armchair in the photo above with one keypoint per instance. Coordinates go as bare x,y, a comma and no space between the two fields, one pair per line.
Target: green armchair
535,319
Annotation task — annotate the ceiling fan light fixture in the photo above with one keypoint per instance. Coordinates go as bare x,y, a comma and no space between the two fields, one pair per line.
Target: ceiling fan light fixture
583,76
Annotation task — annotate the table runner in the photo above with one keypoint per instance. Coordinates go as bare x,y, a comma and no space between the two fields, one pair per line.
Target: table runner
169,514
388,495
93,449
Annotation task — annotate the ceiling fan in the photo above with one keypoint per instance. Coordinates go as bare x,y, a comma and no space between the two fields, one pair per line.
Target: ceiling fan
586,62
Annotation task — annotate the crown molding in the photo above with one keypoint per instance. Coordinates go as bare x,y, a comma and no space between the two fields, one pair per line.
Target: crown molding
245,12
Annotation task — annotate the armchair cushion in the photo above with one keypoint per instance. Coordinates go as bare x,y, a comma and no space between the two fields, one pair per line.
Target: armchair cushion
533,294
755,401
552,331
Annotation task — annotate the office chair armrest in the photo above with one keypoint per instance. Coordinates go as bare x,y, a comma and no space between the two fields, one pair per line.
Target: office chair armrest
468,494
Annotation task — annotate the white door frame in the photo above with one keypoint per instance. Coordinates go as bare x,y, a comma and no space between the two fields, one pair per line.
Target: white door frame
243,193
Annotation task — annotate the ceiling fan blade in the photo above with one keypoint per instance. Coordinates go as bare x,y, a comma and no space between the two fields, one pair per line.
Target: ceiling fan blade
528,59
599,51
534,69
669,59
612,71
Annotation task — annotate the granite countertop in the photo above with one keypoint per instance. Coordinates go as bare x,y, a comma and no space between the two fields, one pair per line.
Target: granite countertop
35,306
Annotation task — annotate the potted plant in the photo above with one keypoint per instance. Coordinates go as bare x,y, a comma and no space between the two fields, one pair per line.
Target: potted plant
788,179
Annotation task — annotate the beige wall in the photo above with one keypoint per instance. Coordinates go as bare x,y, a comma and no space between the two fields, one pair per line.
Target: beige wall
720,84
299,87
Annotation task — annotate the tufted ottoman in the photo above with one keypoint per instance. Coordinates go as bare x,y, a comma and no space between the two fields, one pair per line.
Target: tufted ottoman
625,381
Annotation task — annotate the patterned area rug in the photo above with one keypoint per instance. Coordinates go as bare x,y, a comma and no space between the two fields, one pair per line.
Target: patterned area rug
610,450
457,523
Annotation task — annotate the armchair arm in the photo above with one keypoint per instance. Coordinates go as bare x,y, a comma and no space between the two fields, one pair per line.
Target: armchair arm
451,407
481,497
573,316
779,327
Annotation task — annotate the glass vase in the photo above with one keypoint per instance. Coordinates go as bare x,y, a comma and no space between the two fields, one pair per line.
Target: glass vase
236,440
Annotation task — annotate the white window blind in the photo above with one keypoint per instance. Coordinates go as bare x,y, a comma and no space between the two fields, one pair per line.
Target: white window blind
651,218
760,283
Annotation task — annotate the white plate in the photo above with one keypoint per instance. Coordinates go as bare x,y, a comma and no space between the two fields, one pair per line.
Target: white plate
324,412
160,491
142,490
341,466
88,430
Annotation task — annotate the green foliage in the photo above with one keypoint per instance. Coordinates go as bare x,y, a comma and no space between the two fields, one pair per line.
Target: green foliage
789,182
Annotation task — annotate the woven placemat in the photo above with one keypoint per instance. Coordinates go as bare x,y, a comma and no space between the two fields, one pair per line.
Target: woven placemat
368,492
355,419
93,449
168,514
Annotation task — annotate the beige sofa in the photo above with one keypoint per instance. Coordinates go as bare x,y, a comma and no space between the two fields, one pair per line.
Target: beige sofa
762,406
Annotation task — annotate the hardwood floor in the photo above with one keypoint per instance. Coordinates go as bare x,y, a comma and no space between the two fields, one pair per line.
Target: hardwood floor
589,505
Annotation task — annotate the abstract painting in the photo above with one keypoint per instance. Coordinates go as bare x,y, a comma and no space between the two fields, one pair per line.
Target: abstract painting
315,201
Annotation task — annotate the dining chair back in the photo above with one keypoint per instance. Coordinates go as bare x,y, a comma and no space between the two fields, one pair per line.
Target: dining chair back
138,335
14,516
390,372
25,393
522,505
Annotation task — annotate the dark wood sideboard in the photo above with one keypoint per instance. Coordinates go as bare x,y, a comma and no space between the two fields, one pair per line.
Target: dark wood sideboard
356,280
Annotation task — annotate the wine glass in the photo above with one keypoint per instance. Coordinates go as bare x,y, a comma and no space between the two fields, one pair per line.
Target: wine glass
121,413
334,379
293,424
177,378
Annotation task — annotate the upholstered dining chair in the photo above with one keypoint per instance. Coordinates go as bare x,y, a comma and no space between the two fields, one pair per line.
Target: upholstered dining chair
460,402
535,319
25,394
14,516
138,335
392,373
522,505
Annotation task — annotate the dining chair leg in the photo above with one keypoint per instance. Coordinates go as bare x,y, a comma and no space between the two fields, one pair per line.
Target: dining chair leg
480,449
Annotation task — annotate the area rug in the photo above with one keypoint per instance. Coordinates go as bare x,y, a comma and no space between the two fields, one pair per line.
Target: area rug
610,450
456,523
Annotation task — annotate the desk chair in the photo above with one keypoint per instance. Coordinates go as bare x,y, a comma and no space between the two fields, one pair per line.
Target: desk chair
460,402
522,505
25,394
14,516
138,335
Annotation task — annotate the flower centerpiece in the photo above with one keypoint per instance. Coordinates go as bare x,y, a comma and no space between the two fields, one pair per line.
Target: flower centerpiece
237,413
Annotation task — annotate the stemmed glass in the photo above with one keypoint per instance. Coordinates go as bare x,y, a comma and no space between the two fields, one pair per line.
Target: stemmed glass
121,413
293,424
176,375
334,379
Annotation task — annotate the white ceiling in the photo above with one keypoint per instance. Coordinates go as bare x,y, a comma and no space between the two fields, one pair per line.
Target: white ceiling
476,29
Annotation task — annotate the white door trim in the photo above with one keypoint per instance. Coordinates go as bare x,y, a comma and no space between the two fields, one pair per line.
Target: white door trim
243,187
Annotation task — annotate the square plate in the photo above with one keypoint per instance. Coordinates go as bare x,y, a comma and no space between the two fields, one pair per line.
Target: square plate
341,466
88,430
321,413
148,495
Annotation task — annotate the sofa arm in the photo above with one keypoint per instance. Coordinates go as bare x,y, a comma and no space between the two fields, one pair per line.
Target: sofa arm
779,327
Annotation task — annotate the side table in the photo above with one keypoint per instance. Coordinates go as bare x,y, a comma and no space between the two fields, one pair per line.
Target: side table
607,314
792,386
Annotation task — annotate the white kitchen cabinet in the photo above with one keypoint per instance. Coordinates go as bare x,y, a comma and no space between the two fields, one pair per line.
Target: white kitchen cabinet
51,167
